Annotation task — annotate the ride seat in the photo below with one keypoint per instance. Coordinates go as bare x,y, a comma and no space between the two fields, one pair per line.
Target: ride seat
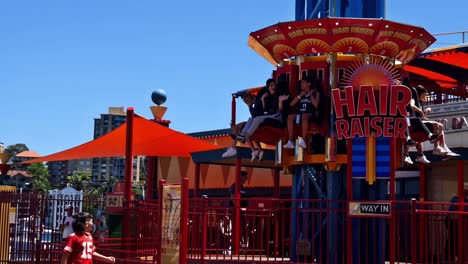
269,132
318,127
418,135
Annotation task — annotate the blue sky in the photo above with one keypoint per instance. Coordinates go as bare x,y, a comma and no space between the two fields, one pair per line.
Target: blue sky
63,63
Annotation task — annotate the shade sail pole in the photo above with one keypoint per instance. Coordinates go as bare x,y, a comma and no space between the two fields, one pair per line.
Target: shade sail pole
129,155
128,178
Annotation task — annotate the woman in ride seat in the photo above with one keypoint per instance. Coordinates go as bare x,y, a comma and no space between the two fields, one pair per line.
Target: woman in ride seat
269,103
307,107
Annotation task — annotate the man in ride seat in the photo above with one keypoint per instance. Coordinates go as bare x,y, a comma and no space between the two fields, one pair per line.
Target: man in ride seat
418,125
438,138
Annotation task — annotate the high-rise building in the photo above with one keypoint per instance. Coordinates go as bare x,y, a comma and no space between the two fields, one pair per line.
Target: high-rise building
58,173
60,170
104,168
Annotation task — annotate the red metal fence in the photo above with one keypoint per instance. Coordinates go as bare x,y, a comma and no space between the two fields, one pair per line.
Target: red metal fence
35,237
271,230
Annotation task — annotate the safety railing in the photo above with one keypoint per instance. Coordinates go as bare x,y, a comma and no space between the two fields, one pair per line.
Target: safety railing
270,230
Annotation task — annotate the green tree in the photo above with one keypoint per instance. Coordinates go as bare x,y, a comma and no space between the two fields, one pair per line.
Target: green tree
40,176
13,150
16,148
79,180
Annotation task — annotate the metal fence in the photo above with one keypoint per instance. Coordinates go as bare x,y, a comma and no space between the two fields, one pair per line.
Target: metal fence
270,230
35,238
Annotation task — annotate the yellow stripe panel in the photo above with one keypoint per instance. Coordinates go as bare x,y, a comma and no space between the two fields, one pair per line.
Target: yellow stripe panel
370,160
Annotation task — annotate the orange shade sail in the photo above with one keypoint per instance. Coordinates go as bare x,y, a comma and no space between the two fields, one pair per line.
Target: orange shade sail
149,139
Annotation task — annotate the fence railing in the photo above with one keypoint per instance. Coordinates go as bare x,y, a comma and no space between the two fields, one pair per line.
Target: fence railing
271,230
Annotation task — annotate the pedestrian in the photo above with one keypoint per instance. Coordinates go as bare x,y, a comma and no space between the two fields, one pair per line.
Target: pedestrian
80,247
66,223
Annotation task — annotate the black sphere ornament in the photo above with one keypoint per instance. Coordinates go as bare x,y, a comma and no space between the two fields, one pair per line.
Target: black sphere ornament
159,96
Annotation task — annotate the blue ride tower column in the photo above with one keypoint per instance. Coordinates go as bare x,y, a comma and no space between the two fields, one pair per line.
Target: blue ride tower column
309,183
310,9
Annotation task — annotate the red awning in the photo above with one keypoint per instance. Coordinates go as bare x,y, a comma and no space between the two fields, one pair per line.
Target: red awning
447,67
149,139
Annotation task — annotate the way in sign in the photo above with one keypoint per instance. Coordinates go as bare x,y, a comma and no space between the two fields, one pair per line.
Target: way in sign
368,208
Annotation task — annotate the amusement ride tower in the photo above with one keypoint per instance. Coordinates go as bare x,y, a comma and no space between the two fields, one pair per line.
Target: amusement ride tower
354,53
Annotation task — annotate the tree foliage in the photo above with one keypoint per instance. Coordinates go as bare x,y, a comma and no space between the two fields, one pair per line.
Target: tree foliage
15,149
40,175
79,180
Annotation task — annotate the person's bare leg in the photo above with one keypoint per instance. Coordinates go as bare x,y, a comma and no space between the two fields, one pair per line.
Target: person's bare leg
421,157
407,159
406,150
291,119
254,151
419,149
258,146
290,126
305,124
305,128
235,129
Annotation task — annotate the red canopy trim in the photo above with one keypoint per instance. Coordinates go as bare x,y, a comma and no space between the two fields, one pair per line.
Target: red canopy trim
341,35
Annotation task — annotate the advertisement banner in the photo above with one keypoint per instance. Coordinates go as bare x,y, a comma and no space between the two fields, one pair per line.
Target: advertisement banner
170,224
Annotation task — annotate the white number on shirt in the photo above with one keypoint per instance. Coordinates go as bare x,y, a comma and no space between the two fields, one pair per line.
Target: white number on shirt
87,252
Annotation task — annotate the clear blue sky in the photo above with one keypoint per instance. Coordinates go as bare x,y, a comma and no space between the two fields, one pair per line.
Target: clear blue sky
63,63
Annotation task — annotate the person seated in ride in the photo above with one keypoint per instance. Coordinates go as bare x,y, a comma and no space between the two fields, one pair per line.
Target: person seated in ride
269,103
254,109
440,148
307,107
415,123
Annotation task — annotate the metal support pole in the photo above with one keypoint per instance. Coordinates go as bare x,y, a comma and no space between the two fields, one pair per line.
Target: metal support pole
204,229
461,202
129,155
233,111
392,201
422,198
330,151
161,209
413,231
197,181
236,231
349,195
184,208
128,179
276,192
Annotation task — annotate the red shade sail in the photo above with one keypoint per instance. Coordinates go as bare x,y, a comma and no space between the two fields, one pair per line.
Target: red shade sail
149,139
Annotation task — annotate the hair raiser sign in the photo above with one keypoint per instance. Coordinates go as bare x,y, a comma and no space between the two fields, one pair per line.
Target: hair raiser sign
366,111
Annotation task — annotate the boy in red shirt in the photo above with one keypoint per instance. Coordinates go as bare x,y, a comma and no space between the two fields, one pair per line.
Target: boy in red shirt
79,247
